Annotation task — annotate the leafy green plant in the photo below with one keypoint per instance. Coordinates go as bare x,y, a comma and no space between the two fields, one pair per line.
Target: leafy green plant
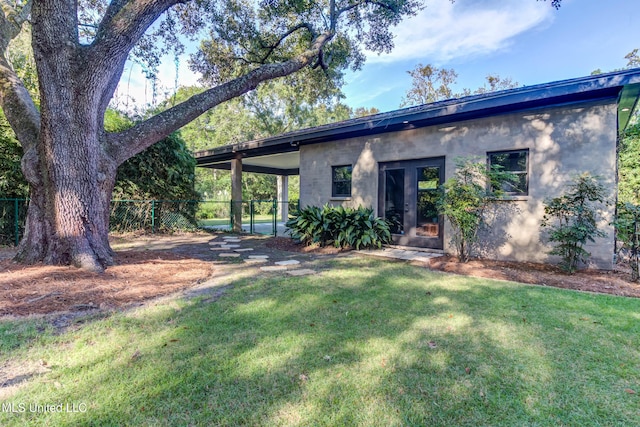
465,197
340,226
572,220
627,224
629,165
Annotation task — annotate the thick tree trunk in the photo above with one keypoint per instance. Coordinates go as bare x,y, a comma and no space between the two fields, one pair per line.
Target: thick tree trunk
68,216
70,173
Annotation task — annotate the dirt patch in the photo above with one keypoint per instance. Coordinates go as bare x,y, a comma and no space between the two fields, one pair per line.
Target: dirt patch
290,245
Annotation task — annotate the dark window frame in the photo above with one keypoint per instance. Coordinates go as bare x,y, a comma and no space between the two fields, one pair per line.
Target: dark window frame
524,172
336,183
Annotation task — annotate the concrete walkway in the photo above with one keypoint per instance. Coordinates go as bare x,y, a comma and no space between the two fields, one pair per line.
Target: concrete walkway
423,257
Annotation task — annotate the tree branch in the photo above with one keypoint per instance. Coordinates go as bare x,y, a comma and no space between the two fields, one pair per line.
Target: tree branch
18,107
355,5
285,35
15,100
124,145
125,22
11,21
123,25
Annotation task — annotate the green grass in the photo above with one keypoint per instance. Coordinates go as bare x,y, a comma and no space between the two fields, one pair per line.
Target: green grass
366,342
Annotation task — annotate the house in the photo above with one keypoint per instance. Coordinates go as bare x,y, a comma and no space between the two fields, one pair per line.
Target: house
395,161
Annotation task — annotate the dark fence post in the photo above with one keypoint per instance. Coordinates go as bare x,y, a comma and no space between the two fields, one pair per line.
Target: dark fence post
17,220
275,217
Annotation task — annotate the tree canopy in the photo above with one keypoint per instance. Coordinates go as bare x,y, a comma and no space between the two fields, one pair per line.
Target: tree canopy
430,84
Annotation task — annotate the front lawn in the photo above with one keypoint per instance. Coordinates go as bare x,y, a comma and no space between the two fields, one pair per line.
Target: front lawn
365,342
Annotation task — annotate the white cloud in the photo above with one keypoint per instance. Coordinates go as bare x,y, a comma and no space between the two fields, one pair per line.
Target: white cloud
444,30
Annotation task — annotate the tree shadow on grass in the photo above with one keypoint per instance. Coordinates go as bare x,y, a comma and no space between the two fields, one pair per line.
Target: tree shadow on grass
367,342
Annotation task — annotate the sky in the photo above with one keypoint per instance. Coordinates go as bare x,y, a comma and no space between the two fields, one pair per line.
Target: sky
526,40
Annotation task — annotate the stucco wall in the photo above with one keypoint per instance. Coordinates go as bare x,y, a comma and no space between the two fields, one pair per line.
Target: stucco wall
561,141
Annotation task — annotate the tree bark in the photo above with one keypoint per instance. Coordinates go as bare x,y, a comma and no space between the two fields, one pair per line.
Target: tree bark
70,175
71,180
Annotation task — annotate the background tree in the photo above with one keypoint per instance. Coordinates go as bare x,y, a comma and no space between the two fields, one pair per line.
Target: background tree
633,60
80,49
493,83
629,166
274,108
430,84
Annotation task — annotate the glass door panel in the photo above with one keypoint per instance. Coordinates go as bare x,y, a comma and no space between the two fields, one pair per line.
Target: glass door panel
394,199
427,221
407,199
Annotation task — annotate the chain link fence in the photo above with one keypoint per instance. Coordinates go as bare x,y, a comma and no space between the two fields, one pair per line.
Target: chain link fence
162,216
13,214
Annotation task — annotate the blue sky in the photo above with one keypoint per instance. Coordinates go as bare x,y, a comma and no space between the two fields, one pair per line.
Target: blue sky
526,40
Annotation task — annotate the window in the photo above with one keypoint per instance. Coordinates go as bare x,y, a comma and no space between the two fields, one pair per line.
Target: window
516,162
341,181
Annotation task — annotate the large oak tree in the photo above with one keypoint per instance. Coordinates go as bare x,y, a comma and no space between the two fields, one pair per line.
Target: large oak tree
80,50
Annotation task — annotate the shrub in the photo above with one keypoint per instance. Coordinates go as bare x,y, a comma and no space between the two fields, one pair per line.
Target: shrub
464,199
572,220
340,226
627,225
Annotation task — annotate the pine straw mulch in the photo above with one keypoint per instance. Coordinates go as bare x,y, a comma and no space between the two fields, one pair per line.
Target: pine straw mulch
137,276
144,274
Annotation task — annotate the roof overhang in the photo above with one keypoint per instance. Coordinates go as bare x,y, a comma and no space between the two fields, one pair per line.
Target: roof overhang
278,154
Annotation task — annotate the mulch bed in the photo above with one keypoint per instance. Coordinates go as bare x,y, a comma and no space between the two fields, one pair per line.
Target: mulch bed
141,275
137,276
616,282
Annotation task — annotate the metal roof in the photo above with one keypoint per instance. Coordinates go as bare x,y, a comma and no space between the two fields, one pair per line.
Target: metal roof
278,154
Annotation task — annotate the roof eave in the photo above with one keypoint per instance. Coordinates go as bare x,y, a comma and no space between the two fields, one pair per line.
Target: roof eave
582,89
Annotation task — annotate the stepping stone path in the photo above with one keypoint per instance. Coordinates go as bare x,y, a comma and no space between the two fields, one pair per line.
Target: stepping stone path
288,262
233,243
229,255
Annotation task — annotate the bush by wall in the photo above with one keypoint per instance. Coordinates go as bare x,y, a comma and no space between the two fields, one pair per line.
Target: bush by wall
572,220
340,226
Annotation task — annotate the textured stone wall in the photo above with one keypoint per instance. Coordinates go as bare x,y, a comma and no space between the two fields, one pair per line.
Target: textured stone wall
562,142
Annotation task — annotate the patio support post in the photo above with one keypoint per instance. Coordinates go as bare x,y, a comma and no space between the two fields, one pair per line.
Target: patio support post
283,197
236,192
